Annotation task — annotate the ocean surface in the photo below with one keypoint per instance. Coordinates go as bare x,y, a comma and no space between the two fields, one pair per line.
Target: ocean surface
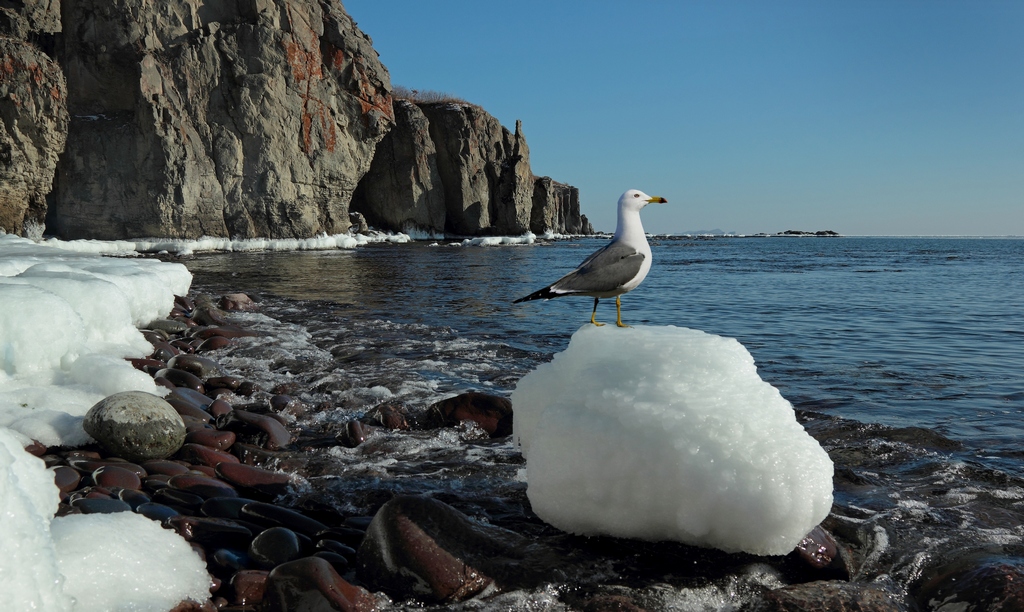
903,356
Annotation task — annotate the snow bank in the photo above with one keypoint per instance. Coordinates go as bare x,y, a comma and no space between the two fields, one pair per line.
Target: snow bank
84,563
67,320
666,433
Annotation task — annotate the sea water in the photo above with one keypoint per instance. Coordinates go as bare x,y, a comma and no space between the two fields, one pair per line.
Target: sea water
904,357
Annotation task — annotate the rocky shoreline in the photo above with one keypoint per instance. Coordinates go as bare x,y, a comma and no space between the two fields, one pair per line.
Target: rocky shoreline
237,484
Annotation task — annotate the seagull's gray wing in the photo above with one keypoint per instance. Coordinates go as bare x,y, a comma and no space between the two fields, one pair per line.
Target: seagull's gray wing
606,270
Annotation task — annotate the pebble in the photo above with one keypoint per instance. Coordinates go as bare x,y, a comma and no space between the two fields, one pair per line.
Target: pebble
202,486
311,583
162,466
66,478
285,517
157,511
100,505
203,455
248,586
182,379
492,413
212,438
274,546
115,476
250,477
201,367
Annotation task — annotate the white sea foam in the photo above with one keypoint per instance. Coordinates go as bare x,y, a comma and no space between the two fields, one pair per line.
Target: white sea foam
485,241
668,433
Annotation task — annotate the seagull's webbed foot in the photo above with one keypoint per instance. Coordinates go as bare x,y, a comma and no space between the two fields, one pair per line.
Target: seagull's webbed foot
618,313
593,315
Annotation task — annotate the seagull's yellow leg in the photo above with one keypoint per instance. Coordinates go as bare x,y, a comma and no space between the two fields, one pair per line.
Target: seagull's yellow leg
618,312
593,315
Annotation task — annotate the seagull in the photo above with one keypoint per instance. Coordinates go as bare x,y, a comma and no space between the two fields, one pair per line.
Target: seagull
617,268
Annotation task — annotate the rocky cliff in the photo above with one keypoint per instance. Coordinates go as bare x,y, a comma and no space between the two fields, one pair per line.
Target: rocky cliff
451,168
241,118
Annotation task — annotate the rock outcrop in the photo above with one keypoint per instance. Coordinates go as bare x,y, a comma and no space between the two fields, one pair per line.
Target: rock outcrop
33,114
452,168
556,209
402,191
216,118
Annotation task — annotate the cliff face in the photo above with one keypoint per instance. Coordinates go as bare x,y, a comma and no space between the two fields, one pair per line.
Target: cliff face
33,114
452,168
185,118
194,118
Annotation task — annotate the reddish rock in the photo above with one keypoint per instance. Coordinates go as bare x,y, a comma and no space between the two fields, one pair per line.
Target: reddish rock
830,596
275,546
312,583
492,413
114,476
186,409
200,367
218,440
203,455
281,516
226,382
974,580
164,466
219,407
248,586
250,477
66,478
212,343
214,532
181,378
202,486
277,436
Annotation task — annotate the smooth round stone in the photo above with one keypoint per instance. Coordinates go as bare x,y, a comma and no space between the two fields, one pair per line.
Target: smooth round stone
229,560
135,425
162,351
199,400
163,466
219,407
89,505
66,478
194,364
248,476
133,498
285,517
226,382
182,379
274,546
204,470
277,436
202,455
212,343
203,486
338,562
224,507
187,410
88,466
156,511
336,547
155,482
178,498
312,583
114,476
214,532
212,438
347,536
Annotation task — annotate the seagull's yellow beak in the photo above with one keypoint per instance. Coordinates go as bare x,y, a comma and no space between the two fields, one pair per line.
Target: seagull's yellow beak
657,200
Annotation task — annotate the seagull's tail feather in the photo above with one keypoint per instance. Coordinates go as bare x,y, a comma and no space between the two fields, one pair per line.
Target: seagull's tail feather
544,294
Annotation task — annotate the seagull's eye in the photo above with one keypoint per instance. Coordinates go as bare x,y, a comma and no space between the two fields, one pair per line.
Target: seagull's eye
636,195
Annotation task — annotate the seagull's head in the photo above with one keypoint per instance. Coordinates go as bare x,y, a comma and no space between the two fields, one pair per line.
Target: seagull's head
634,199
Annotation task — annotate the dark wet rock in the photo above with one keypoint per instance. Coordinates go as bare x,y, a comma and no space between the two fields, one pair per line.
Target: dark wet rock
251,477
149,366
212,343
390,415
219,407
200,367
286,517
225,507
211,531
135,425
354,433
224,331
348,536
248,586
100,505
189,411
182,379
185,500
204,455
212,438
224,382
269,430
311,584
976,581
419,547
66,478
133,498
197,399
227,561
202,486
156,482
251,454
163,466
115,476
336,547
830,596
163,351
492,413
157,512
820,551
282,401
36,448
88,466
274,546
340,563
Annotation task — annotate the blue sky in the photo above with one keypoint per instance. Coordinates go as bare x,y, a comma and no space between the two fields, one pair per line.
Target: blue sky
877,117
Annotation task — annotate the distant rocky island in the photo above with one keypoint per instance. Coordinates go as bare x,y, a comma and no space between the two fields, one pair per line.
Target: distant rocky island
272,118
